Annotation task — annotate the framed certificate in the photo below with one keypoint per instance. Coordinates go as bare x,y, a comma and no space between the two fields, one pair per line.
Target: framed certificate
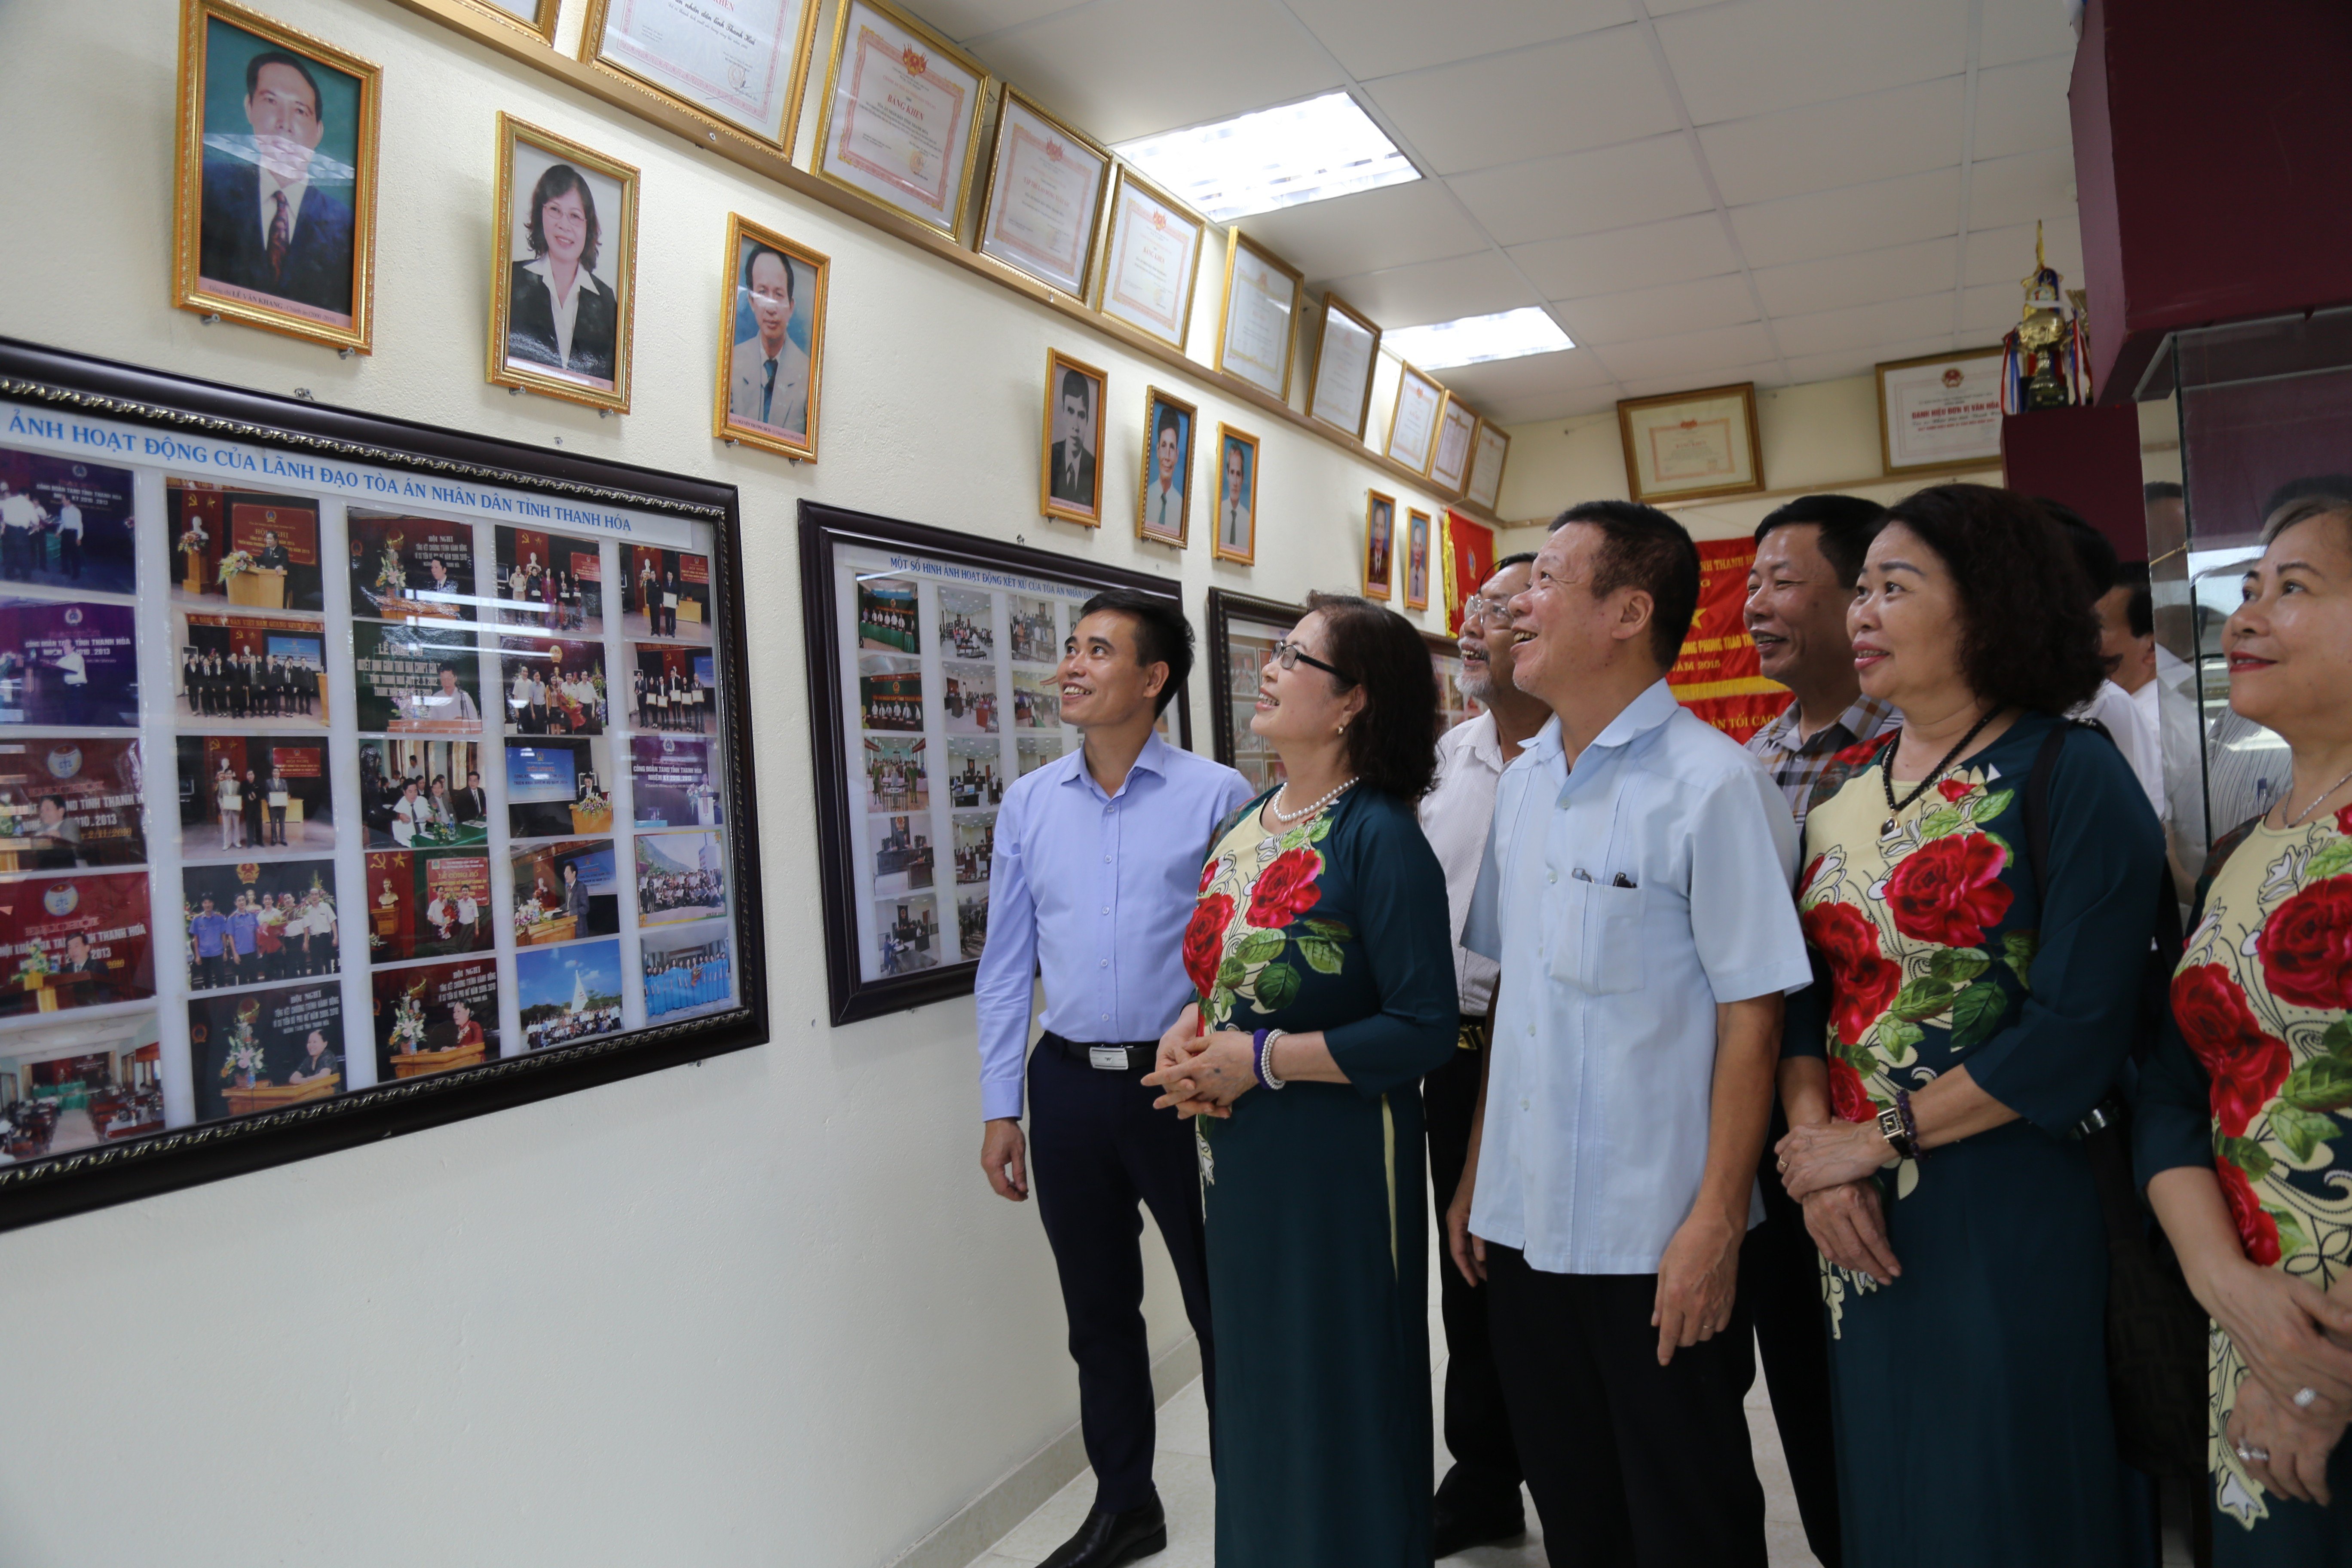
1044,196
563,263
1413,422
900,120
770,341
1339,382
1163,499
1153,261
1689,445
1457,427
1069,466
739,65
1256,328
1941,411
1489,450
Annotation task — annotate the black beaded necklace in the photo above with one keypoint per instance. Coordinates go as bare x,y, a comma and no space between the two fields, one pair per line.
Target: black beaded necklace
1896,809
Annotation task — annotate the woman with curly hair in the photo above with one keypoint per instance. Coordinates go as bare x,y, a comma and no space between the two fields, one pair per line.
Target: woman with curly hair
1322,959
1977,1007
2240,1135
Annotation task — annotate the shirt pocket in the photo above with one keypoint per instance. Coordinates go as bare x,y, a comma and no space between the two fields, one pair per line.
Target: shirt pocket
1598,946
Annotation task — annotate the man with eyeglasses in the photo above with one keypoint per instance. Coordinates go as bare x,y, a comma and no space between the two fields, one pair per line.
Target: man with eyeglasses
1478,1500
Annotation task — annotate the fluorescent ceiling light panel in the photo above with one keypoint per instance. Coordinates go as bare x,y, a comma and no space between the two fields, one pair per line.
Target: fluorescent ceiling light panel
1478,340
1272,158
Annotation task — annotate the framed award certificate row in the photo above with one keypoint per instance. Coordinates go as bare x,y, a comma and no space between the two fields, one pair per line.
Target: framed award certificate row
355,776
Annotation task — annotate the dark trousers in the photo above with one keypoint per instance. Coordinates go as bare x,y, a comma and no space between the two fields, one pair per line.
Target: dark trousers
1096,1150
1632,1464
1485,1480
1781,1281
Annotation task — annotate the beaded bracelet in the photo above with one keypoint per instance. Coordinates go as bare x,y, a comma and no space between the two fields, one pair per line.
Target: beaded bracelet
1263,1062
1910,1127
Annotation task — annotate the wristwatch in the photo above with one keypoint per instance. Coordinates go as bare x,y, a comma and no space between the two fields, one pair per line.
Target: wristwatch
1891,1127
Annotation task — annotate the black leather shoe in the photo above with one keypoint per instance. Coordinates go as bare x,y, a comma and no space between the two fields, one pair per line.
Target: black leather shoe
1107,1540
1451,1530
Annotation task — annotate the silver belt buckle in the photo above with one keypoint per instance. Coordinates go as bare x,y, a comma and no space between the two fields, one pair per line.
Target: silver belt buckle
1106,1058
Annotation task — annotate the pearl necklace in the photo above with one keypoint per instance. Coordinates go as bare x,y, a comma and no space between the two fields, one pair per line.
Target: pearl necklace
1282,815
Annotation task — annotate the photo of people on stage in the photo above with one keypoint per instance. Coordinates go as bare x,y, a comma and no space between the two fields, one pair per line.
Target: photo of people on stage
416,679
555,789
680,877
975,848
671,783
889,692
67,662
1036,701
263,671
1033,751
1036,638
69,800
253,795
76,941
971,925
686,972
967,625
255,550
411,568
906,934
548,582
564,891
674,688
434,1017
423,794
79,1082
975,772
65,523
887,615
897,775
428,903
667,594
973,707
258,1050
552,687
255,921
903,858
568,994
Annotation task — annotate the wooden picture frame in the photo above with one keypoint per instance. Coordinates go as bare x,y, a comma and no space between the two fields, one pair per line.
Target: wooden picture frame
706,100
1165,483
1412,420
899,931
233,147
747,309
1449,458
1233,536
903,53
1489,451
1380,544
533,18
1416,559
1252,346
1031,145
1692,445
1339,382
525,349
1152,241
1072,496
1940,413
1243,630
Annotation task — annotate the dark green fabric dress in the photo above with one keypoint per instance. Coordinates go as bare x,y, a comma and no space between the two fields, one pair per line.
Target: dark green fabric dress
1314,1193
1970,1397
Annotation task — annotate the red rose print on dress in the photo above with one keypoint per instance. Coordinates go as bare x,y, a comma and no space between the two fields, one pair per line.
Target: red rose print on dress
1204,941
1954,789
1209,872
2245,1064
2256,1229
2344,820
2306,946
1848,1098
1949,889
1285,889
1863,750
1862,982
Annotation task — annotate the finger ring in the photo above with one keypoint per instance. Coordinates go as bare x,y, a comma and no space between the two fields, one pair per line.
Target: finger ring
2305,1398
2254,1456
1784,1163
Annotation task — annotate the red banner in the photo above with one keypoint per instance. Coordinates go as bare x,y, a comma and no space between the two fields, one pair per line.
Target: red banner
1717,676
1469,561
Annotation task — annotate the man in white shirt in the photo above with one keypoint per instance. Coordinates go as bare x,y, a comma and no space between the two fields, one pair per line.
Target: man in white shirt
1234,502
20,515
1164,503
1478,1500
2111,708
1636,895
69,540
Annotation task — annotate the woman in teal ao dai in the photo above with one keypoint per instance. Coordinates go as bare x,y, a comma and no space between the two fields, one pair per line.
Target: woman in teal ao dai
1322,956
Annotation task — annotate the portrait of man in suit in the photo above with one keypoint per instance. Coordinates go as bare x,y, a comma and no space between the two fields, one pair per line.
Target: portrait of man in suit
767,383
277,220
1169,473
1071,464
1233,492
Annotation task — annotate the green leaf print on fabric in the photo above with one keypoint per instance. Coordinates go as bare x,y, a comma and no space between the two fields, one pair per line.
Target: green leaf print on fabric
1896,1041
1258,947
1230,973
1922,998
1958,965
2017,950
1321,956
2246,1155
1330,929
2305,1132
1278,986
2335,857
2292,1240
1976,1013
2323,1083
1943,820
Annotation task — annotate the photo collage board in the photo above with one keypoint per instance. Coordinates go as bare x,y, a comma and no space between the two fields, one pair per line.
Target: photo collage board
317,776
949,693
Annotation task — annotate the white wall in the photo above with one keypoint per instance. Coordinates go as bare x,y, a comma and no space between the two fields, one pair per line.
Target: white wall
759,1310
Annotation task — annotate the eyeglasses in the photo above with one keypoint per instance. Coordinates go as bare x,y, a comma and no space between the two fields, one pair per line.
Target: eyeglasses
1478,607
1290,655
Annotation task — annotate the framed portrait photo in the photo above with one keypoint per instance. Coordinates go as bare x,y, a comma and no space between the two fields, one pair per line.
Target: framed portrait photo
740,67
1940,411
1686,446
1070,468
1416,560
1257,325
899,122
1489,450
1412,420
564,269
770,341
1164,502
1449,469
276,190
1339,382
1152,262
1236,536
1043,205
1380,544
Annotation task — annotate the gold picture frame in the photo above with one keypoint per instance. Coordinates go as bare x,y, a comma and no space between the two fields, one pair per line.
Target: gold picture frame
1454,416
1940,397
1003,249
1175,491
540,24
546,366
1692,445
1244,349
328,255
1221,545
1416,559
915,63
1420,400
747,301
1316,386
597,54
1380,544
1059,499
1112,298
1487,492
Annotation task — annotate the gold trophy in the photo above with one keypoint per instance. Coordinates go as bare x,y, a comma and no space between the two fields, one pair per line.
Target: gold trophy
2046,358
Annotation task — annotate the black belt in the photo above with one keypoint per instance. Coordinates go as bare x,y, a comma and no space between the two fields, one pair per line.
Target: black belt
1136,1056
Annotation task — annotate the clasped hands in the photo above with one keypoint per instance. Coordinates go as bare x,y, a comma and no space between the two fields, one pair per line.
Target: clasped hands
1828,1167
1202,1074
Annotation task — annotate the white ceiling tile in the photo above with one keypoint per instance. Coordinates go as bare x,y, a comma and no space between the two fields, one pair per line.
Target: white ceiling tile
1553,405
1093,66
1989,310
1860,217
1763,372
1578,193
1380,41
1673,309
2006,255
1760,55
2021,189
1582,92
1864,326
1822,146
1395,226
2020,29
1670,252
1864,278
2022,107
1436,290
1482,385
966,19
1691,354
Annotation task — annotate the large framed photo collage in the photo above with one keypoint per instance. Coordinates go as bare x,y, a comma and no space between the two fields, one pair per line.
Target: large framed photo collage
354,776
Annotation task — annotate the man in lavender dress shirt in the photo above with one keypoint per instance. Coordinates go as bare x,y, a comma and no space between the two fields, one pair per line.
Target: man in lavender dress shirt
1097,869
